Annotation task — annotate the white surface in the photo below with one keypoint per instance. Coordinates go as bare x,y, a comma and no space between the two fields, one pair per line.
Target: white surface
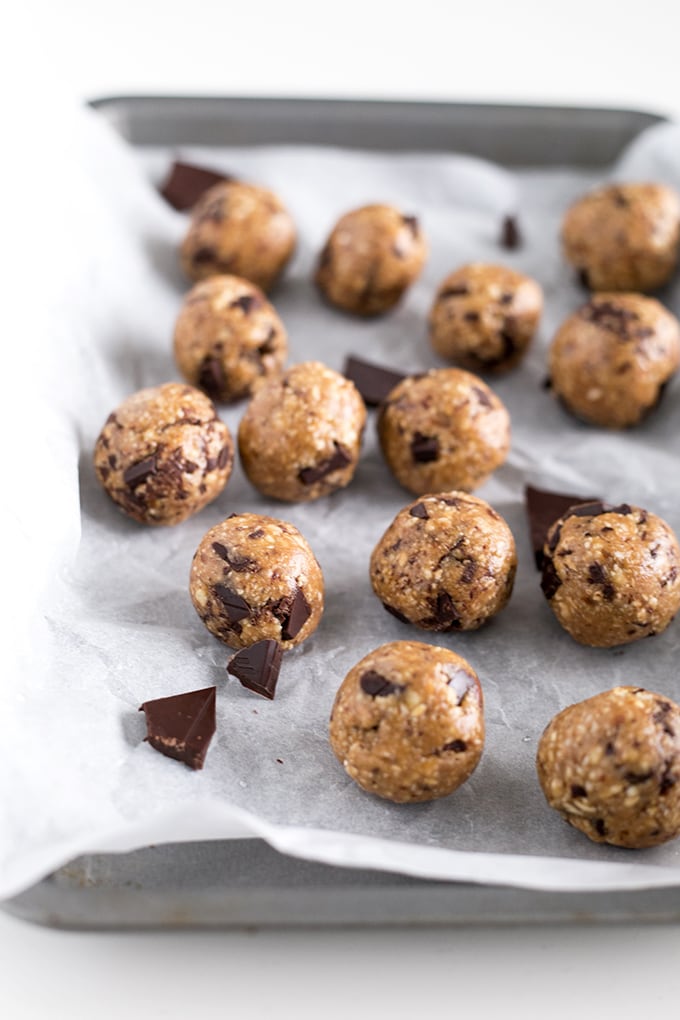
584,52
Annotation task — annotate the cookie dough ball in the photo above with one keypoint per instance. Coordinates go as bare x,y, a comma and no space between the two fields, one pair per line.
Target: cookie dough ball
371,257
408,723
624,236
164,454
301,434
255,577
611,574
611,766
443,430
485,316
238,228
609,361
447,562
228,338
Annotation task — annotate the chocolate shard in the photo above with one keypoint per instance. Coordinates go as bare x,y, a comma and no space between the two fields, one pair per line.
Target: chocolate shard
246,302
550,580
238,563
543,508
424,449
445,612
419,510
377,686
235,607
296,617
211,377
458,746
340,458
182,725
257,667
186,183
373,381
137,473
511,237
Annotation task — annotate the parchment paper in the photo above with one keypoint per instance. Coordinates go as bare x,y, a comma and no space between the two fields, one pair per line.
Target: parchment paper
99,619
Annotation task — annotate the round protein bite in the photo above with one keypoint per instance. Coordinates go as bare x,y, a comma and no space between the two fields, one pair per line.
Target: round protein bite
611,574
624,236
228,338
372,256
447,562
163,454
609,361
255,577
611,766
443,430
484,317
238,228
408,722
300,436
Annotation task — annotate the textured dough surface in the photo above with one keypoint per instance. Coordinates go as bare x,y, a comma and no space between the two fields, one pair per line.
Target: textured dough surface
611,574
163,454
447,562
241,229
255,577
300,436
609,361
611,766
443,430
228,338
624,236
484,317
371,257
407,723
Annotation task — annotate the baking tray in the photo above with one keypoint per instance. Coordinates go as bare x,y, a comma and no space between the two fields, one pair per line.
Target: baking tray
245,882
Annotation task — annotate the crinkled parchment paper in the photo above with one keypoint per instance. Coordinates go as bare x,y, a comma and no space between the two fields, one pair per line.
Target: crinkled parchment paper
98,617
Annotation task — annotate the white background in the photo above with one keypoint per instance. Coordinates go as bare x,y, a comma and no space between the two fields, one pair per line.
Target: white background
607,53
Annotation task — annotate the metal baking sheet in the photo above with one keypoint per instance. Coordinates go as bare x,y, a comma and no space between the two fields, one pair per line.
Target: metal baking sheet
245,882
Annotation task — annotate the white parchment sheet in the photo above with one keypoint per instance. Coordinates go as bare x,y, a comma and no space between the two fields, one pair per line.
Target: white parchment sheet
98,618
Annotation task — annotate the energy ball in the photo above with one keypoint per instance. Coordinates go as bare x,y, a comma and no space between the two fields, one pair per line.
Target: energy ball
447,562
255,577
611,766
407,723
301,434
611,574
484,317
370,259
164,454
241,229
624,236
609,361
443,430
228,338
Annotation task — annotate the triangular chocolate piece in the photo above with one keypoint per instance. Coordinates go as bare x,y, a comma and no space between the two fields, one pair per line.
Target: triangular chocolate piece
543,509
257,667
182,725
373,381
186,183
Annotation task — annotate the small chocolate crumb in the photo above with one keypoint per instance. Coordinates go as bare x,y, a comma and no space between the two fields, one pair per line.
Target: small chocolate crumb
137,473
511,237
424,449
412,223
257,667
578,791
377,686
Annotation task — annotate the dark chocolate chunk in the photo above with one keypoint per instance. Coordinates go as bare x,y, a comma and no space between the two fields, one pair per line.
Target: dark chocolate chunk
340,458
211,376
598,575
612,317
257,667
458,679
660,717
506,298
455,745
597,508
137,473
412,223
223,457
419,510
634,778
296,616
395,612
459,291
445,612
667,780
203,255
471,316
182,725
469,572
424,449
583,278
186,183
550,581
241,564
483,396
578,791
377,686
246,303
373,381
599,826
543,509
236,608
510,234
